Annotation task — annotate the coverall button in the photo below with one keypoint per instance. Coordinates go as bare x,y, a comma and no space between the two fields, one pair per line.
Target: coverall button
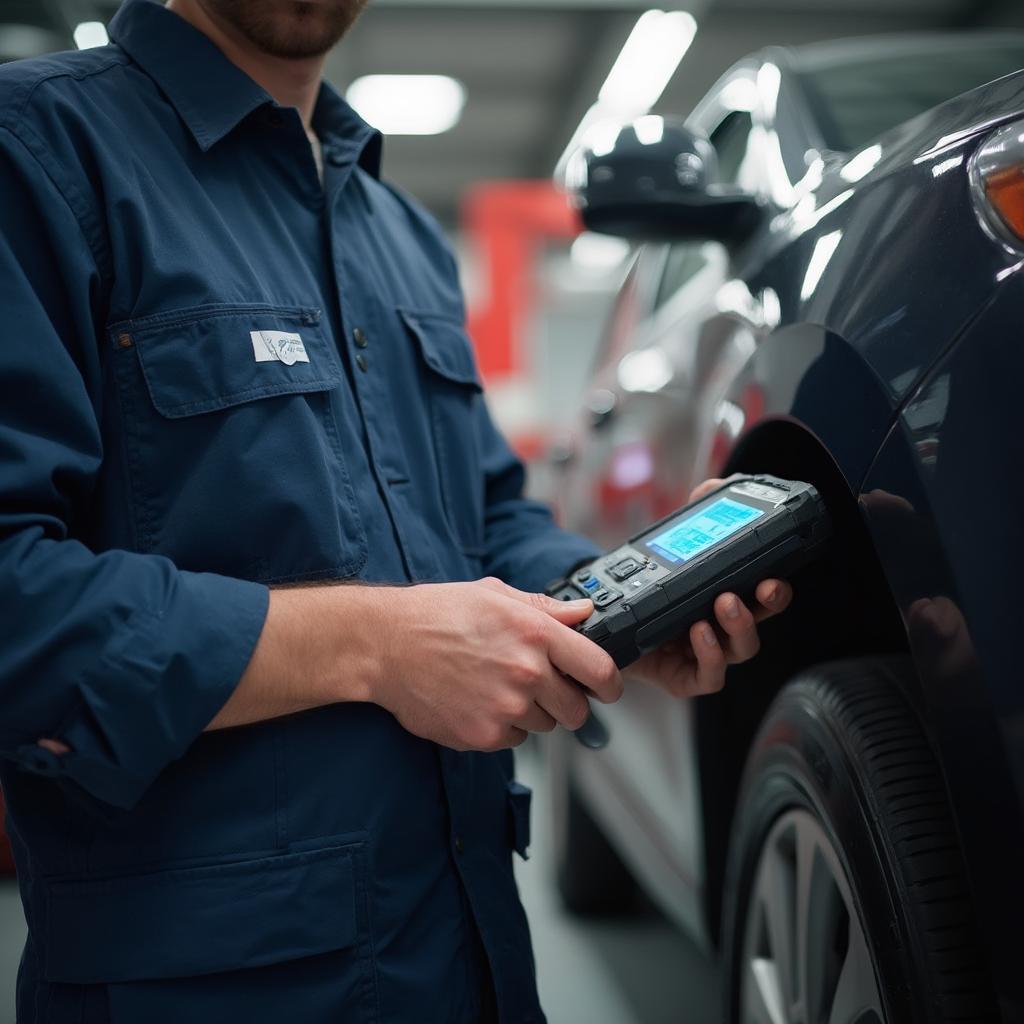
360,338
459,844
361,362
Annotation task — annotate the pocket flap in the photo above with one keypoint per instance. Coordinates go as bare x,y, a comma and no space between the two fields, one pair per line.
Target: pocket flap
445,346
202,920
212,357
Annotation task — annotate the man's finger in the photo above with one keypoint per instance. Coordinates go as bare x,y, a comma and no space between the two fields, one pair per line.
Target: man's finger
738,624
773,596
702,490
711,664
516,736
705,488
582,660
537,720
564,701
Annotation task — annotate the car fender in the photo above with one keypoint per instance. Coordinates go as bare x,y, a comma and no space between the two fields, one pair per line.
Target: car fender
811,377
943,502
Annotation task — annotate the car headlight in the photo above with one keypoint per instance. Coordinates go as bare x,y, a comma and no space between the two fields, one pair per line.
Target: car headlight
997,177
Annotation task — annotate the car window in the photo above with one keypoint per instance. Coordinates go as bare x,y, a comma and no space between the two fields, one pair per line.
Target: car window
730,141
684,260
856,101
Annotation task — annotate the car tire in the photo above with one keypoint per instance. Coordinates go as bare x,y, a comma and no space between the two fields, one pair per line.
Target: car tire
590,876
846,895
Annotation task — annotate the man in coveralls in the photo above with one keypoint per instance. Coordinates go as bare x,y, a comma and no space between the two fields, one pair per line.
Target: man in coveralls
234,371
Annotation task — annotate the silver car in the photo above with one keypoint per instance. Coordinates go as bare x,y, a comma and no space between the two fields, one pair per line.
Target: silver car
842,822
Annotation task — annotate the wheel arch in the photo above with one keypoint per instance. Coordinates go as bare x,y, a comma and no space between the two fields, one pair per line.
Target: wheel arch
843,607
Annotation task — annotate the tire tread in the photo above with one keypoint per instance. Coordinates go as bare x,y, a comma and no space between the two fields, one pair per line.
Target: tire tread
863,699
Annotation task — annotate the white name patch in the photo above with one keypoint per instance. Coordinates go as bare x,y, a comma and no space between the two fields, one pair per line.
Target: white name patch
278,347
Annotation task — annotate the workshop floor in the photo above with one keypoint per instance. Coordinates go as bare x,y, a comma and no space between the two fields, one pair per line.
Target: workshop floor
638,971
12,938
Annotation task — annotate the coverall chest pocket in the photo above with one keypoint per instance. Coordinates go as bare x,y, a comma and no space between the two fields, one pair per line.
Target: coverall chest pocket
453,394
231,444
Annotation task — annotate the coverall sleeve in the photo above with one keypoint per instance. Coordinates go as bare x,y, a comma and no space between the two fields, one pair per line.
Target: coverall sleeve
523,545
120,655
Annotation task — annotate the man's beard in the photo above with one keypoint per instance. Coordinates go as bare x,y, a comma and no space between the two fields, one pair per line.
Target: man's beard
292,29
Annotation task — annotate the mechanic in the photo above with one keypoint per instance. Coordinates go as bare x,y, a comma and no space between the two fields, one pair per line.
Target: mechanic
234,372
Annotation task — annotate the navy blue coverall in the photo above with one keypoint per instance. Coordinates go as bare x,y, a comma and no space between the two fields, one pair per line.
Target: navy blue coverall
217,375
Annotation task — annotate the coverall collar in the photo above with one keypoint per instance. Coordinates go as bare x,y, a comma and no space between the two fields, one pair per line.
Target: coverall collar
212,95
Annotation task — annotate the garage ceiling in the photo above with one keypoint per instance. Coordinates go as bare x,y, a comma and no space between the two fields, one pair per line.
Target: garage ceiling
532,67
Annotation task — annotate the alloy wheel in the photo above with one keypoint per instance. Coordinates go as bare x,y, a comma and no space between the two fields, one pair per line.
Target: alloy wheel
806,958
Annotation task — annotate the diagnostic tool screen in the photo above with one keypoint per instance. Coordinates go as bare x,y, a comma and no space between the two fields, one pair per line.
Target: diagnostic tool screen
690,536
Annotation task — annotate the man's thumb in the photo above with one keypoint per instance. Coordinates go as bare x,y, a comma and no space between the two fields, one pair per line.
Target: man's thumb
566,612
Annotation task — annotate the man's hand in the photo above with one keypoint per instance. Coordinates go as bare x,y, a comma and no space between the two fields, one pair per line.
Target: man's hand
476,666
696,664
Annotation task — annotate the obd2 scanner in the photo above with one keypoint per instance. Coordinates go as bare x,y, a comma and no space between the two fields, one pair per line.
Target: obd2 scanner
660,582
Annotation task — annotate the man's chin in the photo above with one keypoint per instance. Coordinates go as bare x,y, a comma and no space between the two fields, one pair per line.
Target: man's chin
290,29
308,29
296,41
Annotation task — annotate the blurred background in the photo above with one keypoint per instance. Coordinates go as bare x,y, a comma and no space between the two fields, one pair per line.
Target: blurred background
511,82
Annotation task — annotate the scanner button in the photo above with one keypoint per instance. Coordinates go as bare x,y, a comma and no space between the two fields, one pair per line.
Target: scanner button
605,597
591,584
624,569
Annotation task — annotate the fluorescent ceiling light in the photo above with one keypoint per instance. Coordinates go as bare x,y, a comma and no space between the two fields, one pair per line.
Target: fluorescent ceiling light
638,77
598,252
89,34
408,104
652,53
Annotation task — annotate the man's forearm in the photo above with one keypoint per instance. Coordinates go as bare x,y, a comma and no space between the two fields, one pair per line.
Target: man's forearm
319,645
471,666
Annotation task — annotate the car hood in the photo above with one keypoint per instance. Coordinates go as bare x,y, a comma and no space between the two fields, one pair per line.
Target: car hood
915,265
947,128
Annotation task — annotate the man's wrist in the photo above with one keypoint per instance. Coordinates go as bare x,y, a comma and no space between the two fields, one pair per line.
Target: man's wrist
319,646
357,633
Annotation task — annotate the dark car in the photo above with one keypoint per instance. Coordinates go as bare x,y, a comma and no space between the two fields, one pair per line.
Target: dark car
831,291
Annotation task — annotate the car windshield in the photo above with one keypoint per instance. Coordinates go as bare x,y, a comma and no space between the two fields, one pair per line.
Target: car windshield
856,100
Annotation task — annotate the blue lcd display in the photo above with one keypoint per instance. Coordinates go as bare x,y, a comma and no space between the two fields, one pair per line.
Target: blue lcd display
685,539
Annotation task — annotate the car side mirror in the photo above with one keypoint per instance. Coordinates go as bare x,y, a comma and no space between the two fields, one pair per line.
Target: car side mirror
658,182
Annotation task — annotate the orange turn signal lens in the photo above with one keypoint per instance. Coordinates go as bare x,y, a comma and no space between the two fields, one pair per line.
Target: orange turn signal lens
1004,189
997,180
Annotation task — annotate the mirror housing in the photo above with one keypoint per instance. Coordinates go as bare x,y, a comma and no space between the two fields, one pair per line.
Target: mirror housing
658,182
